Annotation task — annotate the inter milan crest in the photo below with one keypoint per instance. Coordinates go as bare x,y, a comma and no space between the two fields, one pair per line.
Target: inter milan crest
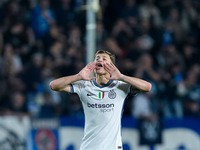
112,94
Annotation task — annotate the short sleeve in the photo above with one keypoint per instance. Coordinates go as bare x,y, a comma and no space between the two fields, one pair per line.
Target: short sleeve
124,86
77,86
128,88
133,90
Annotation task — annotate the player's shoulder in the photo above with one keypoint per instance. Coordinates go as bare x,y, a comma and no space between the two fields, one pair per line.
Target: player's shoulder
121,83
85,82
78,82
118,84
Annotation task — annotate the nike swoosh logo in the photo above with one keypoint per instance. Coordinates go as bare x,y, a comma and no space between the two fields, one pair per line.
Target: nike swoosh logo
88,94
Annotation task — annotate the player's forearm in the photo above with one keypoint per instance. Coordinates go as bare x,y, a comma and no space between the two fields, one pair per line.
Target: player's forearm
140,84
61,83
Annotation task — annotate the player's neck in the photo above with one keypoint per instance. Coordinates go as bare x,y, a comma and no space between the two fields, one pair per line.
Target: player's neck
101,80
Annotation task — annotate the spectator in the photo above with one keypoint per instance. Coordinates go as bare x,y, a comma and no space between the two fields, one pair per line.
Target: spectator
110,12
194,34
47,109
177,29
190,55
11,62
17,105
42,18
13,12
112,45
101,34
146,69
172,56
189,14
65,14
149,11
189,83
165,6
191,107
53,35
129,9
130,12
15,35
122,33
75,37
32,75
141,107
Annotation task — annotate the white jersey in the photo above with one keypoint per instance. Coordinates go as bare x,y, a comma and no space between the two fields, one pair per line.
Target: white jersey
103,110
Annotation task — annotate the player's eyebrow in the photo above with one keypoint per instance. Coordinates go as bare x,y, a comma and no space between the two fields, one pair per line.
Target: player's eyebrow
102,56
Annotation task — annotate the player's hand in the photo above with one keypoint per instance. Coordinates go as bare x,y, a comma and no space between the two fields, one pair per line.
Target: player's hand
85,73
112,70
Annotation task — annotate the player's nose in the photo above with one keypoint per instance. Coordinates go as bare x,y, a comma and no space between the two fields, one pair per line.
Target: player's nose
99,60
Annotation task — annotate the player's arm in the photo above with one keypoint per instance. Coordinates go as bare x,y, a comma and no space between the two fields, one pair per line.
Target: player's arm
63,84
139,84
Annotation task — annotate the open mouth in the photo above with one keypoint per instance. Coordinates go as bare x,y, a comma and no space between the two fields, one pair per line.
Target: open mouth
99,65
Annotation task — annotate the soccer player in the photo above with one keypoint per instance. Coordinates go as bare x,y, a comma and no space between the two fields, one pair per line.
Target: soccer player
102,98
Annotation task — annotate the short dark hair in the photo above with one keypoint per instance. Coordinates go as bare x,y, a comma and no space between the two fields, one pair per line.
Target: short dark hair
112,56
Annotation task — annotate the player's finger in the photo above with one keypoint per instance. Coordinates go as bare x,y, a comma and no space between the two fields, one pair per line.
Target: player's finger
109,65
88,65
107,77
112,64
91,66
107,68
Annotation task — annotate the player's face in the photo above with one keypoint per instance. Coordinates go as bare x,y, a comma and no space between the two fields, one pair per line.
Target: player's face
100,59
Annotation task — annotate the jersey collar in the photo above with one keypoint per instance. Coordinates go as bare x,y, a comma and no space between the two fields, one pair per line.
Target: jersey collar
107,84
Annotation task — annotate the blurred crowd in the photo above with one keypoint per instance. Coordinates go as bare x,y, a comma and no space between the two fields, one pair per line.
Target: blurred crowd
156,40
